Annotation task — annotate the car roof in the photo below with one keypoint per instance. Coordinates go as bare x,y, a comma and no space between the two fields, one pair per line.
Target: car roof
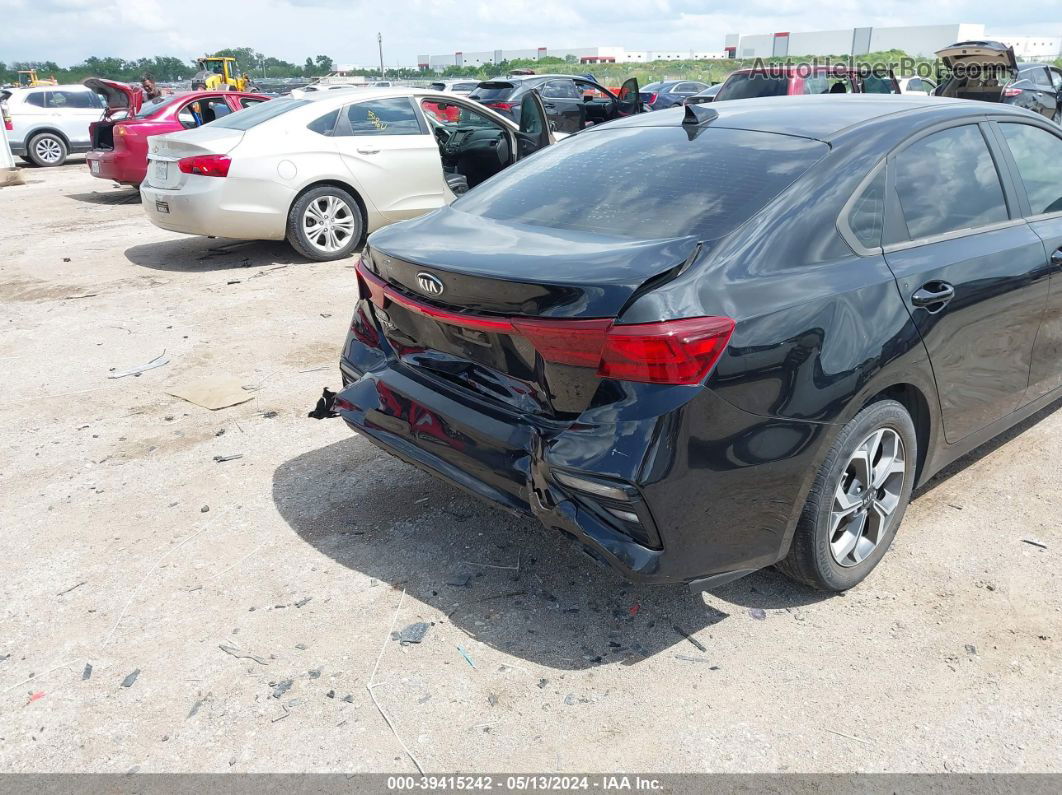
823,118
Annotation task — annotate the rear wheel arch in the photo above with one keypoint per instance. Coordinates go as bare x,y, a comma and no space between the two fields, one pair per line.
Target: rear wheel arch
50,131
916,402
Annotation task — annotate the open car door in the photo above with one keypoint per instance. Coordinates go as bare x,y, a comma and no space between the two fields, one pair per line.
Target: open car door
535,132
630,102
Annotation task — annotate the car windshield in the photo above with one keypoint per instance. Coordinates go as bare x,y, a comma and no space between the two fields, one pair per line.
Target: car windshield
746,85
153,106
255,115
596,181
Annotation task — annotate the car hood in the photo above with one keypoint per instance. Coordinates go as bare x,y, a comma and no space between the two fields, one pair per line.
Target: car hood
118,96
982,53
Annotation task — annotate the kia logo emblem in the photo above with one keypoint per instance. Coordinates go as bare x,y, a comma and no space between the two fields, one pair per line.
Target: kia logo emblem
429,284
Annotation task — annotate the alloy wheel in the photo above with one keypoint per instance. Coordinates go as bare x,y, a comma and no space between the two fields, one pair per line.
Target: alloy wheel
866,497
329,223
48,150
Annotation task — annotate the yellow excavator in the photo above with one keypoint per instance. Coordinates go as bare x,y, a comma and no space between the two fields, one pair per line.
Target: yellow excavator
220,73
27,78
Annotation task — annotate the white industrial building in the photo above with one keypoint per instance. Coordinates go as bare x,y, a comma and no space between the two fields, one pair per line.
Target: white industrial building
918,41
586,55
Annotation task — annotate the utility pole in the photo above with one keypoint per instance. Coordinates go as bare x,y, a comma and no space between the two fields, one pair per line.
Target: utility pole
379,42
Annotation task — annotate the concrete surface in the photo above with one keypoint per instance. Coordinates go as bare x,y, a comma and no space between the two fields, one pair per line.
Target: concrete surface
129,549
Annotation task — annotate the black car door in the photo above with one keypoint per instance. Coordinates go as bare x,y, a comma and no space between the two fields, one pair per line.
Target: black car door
535,132
971,270
629,101
563,105
1034,154
1045,99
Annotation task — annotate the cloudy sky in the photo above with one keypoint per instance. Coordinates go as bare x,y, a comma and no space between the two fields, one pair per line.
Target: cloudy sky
67,31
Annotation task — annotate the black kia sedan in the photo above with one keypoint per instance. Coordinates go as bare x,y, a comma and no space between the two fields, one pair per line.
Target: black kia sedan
745,347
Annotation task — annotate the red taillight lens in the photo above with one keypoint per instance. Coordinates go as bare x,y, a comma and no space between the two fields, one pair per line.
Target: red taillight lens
651,100
1011,92
500,105
670,352
205,165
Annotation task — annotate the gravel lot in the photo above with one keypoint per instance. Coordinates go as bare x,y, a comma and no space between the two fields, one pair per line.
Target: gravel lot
130,549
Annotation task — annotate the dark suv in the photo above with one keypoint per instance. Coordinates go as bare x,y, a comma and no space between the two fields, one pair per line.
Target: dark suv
571,102
988,71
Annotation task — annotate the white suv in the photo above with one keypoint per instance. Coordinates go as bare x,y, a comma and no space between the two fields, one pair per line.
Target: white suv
47,123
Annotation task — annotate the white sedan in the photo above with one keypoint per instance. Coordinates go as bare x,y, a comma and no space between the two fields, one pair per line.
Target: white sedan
325,169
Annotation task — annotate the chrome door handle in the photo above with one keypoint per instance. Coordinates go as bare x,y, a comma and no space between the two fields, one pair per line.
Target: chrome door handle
367,151
933,296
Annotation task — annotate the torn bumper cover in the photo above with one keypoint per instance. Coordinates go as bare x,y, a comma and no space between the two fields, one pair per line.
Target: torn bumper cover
622,490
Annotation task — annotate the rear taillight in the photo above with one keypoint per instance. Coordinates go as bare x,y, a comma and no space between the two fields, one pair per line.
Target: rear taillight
651,100
500,105
7,120
669,352
205,165
1011,92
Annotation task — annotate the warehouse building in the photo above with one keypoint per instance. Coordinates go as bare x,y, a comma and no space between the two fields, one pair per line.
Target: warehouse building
919,41
585,55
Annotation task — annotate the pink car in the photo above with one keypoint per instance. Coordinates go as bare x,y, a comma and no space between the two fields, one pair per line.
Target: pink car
119,140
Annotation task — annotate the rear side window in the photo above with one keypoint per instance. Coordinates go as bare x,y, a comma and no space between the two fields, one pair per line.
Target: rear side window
866,218
383,117
252,117
947,182
36,99
493,92
80,100
560,89
601,181
747,85
324,125
1038,154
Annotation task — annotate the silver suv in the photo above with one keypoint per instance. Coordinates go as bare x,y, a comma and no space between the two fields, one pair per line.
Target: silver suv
47,123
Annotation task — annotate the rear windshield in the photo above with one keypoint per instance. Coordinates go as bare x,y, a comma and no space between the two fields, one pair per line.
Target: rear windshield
647,181
493,91
878,84
438,86
746,85
153,106
256,114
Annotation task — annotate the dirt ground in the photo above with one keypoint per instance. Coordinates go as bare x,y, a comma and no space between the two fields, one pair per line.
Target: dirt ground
256,596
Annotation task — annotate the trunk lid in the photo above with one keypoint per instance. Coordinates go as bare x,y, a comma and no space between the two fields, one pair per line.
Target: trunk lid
981,53
165,150
480,318
118,97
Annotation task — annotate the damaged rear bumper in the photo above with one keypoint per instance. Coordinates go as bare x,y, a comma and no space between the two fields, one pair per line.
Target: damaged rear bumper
684,497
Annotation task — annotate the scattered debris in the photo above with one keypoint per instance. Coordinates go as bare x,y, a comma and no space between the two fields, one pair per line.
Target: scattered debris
1034,542
72,587
424,699
36,696
212,392
492,699
758,613
87,673
849,736
459,581
221,459
349,699
688,658
300,646
542,684
465,655
315,673
196,706
634,608
689,637
158,361
326,406
242,655
414,633
79,295
330,694
282,687
128,681
281,717
303,602
970,648
204,509
270,414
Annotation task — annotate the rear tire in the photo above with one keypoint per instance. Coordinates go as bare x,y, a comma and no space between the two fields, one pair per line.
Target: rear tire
848,523
325,223
46,149
1057,117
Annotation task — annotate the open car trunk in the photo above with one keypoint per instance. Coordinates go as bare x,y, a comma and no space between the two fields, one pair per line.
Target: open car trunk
980,70
531,339
121,100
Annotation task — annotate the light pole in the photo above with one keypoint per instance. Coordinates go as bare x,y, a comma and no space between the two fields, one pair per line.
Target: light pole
379,42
